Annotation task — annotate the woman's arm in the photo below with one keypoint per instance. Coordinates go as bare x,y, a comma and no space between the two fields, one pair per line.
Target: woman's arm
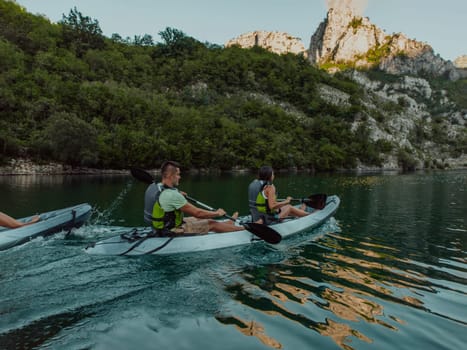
270,192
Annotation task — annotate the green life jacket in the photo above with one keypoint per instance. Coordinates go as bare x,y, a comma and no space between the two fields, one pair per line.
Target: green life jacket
163,221
262,202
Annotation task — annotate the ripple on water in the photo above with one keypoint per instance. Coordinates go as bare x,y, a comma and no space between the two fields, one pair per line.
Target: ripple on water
331,287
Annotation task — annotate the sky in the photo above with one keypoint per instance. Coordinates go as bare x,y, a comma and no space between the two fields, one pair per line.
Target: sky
441,24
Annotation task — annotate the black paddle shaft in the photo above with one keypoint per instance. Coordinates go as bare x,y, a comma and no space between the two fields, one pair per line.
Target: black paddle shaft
316,201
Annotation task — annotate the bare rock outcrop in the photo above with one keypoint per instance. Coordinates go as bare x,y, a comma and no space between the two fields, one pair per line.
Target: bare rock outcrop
461,65
342,37
277,42
345,37
461,62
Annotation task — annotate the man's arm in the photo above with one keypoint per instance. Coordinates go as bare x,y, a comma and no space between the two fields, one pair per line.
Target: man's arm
199,213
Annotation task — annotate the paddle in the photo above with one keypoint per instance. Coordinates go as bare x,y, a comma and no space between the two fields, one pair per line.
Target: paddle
141,175
316,201
262,231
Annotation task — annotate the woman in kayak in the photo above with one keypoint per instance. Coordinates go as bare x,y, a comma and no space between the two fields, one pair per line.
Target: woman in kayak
263,199
8,221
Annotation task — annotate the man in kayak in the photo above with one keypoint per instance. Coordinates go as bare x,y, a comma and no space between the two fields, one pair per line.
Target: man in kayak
170,205
262,198
8,221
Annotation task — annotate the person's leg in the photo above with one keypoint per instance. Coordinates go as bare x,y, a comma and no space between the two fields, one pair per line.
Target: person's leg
192,225
202,226
290,210
8,221
227,226
34,219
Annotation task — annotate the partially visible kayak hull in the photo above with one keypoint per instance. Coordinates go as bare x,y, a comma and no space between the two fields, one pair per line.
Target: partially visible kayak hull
138,241
50,223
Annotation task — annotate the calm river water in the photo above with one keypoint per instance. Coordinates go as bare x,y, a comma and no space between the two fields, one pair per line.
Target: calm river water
388,271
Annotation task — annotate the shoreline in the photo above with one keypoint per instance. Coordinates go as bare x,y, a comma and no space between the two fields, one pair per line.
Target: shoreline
25,167
29,168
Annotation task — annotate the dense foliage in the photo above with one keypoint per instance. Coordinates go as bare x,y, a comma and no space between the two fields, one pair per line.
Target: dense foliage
69,94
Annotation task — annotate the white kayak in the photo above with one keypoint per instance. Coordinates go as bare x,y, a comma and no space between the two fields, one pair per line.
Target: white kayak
140,241
50,222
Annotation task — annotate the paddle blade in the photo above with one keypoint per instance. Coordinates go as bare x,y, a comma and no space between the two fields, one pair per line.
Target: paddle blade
141,175
316,201
264,232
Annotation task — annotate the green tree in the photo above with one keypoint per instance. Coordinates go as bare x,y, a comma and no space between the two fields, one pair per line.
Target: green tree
406,160
10,56
81,33
177,44
69,139
29,32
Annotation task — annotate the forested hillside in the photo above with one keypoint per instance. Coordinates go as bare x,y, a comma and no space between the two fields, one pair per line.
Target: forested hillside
69,94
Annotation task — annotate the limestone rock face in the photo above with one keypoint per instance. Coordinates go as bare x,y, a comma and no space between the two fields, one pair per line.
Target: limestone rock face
345,37
342,37
277,42
461,62
410,114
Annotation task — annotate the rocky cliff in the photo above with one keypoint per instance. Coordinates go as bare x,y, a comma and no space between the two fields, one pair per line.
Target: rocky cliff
461,65
351,40
341,37
419,119
461,62
400,110
277,42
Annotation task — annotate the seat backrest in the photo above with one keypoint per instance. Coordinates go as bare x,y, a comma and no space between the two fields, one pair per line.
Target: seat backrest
150,195
253,190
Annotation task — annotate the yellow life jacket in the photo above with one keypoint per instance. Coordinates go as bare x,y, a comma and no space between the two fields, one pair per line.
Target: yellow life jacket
165,221
262,202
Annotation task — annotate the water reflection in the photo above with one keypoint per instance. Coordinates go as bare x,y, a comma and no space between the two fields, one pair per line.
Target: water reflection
27,182
251,329
394,275
333,289
24,182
